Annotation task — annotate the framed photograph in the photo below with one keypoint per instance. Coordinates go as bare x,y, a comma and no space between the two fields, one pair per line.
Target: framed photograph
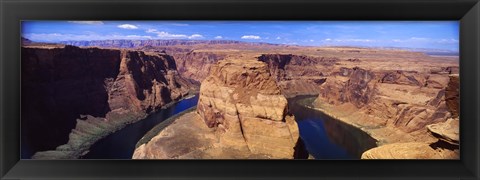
239,89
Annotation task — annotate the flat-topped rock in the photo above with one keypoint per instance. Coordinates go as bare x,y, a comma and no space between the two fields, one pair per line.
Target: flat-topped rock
241,113
448,131
411,150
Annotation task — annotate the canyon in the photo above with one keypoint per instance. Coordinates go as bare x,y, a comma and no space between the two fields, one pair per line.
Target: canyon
241,113
73,96
407,101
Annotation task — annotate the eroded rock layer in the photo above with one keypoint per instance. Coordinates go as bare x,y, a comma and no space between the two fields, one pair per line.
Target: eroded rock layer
61,85
384,98
298,74
241,100
196,65
447,133
241,104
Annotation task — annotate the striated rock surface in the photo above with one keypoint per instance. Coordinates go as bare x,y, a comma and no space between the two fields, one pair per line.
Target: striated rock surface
298,74
242,106
196,65
447,132
241,100
396,99
112,87
452,95
410,150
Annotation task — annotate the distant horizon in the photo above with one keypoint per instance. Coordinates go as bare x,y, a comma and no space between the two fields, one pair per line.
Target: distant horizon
435,35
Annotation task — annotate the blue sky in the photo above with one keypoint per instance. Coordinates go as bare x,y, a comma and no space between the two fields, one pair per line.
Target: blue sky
411,34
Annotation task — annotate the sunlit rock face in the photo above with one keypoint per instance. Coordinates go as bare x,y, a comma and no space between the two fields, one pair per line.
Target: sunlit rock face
298,74
242,102
447,133
196,65
410,150
241,114
403,100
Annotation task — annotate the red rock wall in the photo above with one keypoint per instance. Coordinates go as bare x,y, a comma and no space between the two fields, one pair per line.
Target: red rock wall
297,74
196,65
60,84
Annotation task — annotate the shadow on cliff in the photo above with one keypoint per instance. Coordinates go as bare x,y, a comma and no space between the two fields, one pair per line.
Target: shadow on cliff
59,85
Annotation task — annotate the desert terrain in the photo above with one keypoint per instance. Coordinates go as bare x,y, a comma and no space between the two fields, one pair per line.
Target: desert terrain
407,101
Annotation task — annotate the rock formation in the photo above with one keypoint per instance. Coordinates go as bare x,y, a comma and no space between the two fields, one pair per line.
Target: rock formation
242,108
411,150
447,132
385,98
298,74
241,100
61,85
196,65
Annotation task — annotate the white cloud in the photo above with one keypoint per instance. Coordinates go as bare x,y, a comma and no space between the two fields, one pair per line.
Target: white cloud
86,22
127,26
151,31
311,40
218,37
448,41
250,37
166,35
278,38
55,37
195,36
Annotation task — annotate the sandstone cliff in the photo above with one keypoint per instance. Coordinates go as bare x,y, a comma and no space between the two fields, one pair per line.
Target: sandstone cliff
398,99
113,87
196,65
298,74
447,133
242,113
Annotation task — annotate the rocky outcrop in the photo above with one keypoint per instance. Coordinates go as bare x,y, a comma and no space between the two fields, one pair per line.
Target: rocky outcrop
452,95
447,132
385,98
241,100
410,150
196,65
298,74
242,106
60,85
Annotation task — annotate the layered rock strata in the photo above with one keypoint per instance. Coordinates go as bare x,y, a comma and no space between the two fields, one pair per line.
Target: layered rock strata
298,74
243,113
196,65
446,145
89,93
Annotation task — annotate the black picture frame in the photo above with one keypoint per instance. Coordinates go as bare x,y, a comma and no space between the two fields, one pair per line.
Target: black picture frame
13,11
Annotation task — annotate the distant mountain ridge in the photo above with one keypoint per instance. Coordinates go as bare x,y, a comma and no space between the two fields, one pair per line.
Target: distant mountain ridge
157,42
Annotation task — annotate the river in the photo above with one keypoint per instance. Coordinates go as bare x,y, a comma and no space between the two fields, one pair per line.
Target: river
324,137
121,144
